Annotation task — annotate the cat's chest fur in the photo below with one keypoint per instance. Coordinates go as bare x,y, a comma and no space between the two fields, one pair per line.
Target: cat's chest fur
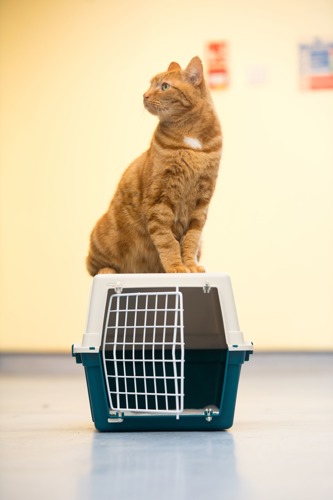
193,142
180,179
177,176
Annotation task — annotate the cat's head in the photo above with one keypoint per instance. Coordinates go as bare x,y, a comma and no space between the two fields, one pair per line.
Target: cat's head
176,91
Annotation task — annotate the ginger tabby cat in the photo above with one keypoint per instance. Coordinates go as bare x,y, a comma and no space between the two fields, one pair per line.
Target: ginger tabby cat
155,219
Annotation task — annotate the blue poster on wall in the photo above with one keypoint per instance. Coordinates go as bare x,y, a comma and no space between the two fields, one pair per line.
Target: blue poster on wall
316,65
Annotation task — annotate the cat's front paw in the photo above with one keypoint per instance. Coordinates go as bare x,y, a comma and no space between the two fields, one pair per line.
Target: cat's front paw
196,269
180,268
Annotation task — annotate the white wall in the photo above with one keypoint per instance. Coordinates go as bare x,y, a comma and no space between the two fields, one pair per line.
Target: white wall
73,75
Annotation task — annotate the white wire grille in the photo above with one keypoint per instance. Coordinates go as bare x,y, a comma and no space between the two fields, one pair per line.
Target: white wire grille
143,352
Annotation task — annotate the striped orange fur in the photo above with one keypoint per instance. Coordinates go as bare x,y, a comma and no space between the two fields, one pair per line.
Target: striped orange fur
155,219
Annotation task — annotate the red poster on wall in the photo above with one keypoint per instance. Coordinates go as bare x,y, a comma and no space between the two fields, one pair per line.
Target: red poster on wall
217,65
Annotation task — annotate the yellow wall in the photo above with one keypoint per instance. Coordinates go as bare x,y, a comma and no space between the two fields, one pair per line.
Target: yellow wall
73,75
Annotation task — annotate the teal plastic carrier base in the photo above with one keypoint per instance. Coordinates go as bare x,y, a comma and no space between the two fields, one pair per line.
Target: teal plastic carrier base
162,352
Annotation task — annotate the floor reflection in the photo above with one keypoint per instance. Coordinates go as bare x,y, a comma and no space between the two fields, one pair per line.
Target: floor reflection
162,465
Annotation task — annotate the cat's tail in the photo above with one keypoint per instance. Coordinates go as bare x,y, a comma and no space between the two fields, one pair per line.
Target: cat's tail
95,267
94,259
91,265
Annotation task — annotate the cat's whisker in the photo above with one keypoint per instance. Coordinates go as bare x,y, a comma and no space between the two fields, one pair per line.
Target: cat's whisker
165,110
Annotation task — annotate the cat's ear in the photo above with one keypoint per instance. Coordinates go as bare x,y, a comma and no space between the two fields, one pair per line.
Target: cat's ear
174,67
194,71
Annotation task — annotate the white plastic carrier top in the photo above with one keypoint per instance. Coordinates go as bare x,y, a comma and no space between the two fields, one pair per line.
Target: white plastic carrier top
103,283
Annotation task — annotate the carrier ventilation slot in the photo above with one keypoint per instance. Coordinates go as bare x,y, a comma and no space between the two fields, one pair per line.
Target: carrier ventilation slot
143,353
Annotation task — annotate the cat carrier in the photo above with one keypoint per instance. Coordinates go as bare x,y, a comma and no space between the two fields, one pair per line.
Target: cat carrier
162,352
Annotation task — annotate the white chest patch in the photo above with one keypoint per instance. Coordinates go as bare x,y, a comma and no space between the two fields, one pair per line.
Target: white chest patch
192,142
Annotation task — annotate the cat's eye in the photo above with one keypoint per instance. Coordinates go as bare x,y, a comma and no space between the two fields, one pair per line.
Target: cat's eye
165,86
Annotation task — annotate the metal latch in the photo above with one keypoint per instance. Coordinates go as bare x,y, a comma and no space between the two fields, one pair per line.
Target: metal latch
208,414
116,418
206,287
116,286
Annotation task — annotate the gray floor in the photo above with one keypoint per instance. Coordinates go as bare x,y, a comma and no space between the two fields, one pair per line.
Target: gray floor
280,447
